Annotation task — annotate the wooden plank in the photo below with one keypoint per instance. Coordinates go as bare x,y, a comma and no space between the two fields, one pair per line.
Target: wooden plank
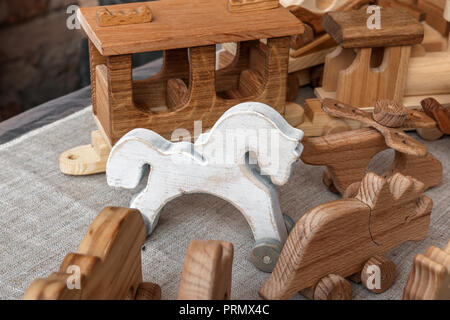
349,29
252,5
192,23
435,16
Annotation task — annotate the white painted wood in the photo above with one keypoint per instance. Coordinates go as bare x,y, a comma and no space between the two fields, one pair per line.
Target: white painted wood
256,132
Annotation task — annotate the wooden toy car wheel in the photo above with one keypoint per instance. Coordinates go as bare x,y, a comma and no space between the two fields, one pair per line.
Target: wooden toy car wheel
378,274
265,254
333,287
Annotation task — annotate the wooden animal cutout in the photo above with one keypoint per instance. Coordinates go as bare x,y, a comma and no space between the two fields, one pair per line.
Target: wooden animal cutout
430,276
107,18
221,162
348,236
251,5
346,155
207,271
107,265
439,113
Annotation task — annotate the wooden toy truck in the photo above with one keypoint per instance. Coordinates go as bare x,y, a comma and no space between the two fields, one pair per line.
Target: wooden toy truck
188,87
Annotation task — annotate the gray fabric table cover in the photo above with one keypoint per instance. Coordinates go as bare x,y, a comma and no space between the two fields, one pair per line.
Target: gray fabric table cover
44,215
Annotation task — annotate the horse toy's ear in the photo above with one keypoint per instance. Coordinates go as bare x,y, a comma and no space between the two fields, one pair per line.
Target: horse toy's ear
128,158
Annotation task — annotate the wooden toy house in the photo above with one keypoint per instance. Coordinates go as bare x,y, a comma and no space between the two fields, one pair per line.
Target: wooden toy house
188,87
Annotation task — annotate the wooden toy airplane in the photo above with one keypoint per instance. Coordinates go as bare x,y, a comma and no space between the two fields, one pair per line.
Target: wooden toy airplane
107,265
348,237
430,276
221,162
347,154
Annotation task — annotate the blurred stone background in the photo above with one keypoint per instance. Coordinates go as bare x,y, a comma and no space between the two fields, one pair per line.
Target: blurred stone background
40,57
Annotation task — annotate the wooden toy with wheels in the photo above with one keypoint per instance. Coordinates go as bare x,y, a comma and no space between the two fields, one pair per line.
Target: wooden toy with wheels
347,237
107,265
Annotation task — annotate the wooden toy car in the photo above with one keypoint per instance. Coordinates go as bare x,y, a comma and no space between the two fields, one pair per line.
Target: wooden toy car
107,265
348,237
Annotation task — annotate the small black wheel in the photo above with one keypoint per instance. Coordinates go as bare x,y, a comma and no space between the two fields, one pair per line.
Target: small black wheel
265,254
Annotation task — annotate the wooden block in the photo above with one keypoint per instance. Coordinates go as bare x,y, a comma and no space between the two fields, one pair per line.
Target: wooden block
108,18
338,238
108,260
349,29
207,271
303,39
294,114
251,5
439,113
181,168
430,276
410,8
87,159
308,17
198,23
433,41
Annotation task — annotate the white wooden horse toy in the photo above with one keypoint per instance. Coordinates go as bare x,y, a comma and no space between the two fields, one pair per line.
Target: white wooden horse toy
249,149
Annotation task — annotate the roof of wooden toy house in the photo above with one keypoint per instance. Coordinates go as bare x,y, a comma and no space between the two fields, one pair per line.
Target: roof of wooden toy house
186,23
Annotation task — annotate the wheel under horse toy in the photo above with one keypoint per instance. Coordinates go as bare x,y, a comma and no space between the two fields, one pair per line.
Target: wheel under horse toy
249,150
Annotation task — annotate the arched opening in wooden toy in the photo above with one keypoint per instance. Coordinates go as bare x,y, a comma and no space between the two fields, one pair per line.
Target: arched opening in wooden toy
374,74
381,162
243,76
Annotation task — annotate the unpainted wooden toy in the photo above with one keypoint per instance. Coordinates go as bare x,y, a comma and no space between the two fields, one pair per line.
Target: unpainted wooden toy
251,5
420,68
308,49
188,88
249,150
347,154
439,113
345,237
430,276
207,271
107,265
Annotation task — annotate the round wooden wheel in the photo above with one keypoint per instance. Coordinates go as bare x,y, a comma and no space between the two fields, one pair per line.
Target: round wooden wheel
333,287
378,274
430,134
265,254
335,126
